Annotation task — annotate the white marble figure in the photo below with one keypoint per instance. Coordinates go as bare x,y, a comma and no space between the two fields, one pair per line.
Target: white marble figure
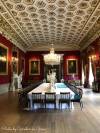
44,80
14,81
62,80
48,77
53,78
20,77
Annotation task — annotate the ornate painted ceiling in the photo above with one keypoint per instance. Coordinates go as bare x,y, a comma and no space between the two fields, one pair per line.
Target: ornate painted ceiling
35,24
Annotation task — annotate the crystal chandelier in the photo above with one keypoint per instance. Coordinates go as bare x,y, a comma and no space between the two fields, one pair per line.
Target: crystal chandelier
52,58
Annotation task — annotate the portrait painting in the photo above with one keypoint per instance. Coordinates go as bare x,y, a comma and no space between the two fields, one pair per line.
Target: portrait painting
97,73
34,67
72,67
3,59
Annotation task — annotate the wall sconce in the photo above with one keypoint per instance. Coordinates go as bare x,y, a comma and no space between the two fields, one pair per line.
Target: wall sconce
3,58
14,59
93,57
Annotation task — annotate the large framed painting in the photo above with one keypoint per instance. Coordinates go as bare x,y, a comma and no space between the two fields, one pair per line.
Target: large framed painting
34,67
3,59
72,66
97,73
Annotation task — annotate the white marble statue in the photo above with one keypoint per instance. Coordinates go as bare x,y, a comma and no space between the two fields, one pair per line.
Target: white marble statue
14,81
62,80
48,77
53,78
20,77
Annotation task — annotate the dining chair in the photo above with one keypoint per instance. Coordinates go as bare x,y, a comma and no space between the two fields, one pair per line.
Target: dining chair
22,100
37,98
78,98
50,98
64,98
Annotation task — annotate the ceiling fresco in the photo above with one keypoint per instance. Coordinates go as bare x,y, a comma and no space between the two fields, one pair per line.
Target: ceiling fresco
35,24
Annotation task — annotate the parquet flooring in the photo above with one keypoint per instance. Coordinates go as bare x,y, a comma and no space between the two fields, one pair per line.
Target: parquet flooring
13,120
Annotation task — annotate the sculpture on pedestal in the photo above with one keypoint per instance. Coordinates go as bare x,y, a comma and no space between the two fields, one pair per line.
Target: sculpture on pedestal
51,77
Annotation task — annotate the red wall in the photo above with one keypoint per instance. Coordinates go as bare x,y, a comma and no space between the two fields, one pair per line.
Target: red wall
38,55
6,78
21,54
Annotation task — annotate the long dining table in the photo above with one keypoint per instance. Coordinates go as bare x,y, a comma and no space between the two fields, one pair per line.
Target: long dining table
46,87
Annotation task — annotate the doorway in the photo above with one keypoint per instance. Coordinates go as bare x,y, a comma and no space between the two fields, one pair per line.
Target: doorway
53,68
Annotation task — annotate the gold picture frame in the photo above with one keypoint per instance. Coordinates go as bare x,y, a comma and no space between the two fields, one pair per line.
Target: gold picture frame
34,67
3,59
72,66
97,73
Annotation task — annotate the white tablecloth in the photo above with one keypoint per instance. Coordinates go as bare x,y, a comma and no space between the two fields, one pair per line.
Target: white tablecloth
46,87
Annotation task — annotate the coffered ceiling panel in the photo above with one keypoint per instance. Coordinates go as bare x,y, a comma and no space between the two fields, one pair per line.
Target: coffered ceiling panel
35,24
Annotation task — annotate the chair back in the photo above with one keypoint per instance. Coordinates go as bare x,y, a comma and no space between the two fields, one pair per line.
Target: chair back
50,96
37,96
80,92
65,95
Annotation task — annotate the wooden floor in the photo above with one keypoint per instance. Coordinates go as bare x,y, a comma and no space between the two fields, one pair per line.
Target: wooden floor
12,120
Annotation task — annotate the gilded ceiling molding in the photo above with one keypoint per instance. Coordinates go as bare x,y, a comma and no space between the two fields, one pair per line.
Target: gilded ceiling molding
34,24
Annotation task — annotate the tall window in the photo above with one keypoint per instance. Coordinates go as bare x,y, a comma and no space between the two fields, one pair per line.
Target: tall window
83,76
91,77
